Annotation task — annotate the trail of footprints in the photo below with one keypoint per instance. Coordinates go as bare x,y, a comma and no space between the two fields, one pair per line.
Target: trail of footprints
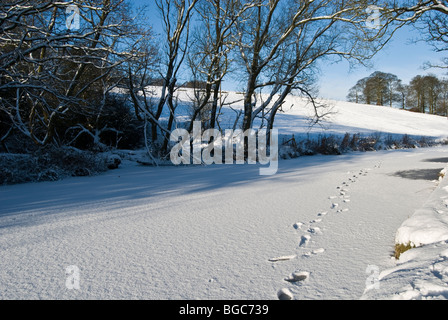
339,204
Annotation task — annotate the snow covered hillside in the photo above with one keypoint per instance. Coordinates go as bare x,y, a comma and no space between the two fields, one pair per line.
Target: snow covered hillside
341,117
323,227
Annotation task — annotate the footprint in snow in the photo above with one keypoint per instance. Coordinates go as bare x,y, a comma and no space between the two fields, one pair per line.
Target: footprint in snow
315,230
315,252
285,294
298,225
298,276
304,240
283,258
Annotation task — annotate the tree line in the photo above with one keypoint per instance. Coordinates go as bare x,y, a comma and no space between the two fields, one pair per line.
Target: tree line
59,84
424,93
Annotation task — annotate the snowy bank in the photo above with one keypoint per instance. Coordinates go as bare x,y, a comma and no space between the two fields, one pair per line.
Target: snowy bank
422,272
430,223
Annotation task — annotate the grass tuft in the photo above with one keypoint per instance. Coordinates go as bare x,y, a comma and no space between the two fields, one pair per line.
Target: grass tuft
401,248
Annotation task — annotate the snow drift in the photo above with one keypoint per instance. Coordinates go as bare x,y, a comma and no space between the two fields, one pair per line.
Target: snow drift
429,224
421,272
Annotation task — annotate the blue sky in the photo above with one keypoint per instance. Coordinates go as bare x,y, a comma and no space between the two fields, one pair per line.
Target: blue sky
402,57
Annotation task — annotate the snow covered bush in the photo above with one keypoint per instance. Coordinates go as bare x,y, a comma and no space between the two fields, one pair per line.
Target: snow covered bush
328,145
336,145
50,164
113,161
15,168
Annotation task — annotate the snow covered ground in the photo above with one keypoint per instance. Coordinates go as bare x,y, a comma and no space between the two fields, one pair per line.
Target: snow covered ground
212,232
323,227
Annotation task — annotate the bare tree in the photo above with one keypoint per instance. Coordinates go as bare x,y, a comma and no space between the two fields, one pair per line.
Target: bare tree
443,106
424,92
356,93
403,92
176,19
429,17
280,44
51,74
379,88
433,88
210,56
382,88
